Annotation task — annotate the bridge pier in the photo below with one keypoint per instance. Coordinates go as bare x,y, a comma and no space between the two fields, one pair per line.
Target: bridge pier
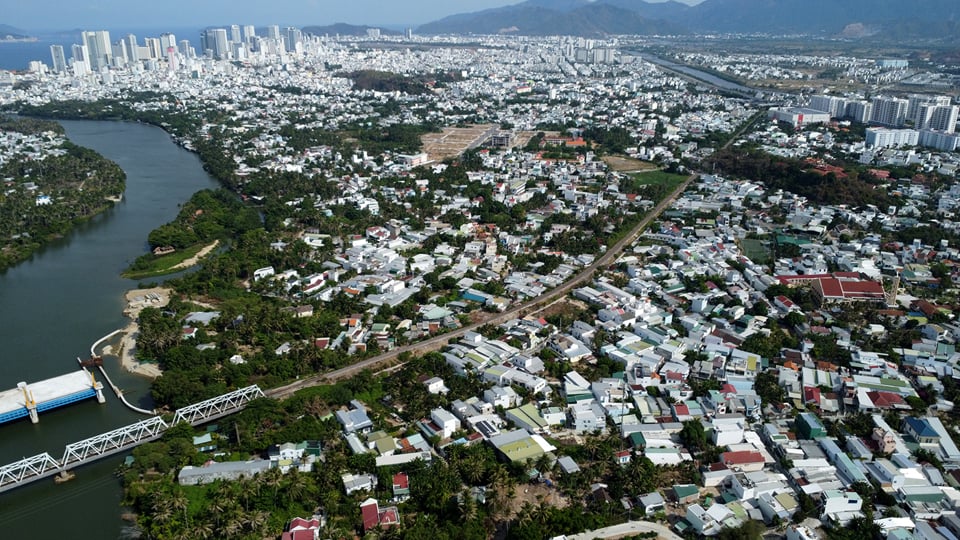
29,403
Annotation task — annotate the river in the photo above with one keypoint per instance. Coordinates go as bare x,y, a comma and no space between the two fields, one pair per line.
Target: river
68,295
699,75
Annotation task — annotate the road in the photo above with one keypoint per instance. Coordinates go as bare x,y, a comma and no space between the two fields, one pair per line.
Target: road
630,528
529,307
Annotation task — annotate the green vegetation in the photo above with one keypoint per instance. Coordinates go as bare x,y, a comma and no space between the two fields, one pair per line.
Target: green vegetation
385,81
653,185
207,216
798,177
80,184
150,265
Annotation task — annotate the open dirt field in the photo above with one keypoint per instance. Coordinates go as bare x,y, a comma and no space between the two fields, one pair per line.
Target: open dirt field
453,141
625,164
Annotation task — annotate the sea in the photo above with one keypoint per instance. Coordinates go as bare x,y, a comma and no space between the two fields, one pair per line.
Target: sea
17,55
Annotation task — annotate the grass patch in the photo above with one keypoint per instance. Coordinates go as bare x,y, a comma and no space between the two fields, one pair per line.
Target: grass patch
150,265
657,178
756,250
197,497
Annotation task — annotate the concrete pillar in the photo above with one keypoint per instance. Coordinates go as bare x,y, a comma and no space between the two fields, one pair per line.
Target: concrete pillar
29,403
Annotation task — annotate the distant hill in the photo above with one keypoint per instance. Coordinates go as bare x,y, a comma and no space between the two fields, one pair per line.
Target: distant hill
891,19
344,29
548,17
10,32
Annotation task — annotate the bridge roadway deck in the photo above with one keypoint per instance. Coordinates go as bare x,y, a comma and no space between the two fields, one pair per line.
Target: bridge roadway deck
48,394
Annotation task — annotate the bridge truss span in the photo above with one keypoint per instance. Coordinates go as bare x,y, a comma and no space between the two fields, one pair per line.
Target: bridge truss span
217,407
114,441
27,469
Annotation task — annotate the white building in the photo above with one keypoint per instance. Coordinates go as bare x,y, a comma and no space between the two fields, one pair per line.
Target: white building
885,138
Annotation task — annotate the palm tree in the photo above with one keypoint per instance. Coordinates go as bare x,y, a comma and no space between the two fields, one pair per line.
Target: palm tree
179,503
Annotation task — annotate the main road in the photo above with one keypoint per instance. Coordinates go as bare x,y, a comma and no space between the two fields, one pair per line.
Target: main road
529,307
630,528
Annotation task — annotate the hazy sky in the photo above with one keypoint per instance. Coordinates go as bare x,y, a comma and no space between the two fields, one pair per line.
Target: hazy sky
90,14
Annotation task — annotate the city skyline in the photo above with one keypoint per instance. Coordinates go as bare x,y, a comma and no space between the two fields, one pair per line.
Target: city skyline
56,15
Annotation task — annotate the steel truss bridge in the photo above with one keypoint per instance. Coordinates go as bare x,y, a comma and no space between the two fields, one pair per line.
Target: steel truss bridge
113,442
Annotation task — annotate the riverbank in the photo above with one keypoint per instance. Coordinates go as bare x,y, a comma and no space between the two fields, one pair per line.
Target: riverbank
137,300
150,265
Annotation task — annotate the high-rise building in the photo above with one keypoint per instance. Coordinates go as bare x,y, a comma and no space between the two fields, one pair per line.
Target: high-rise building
235,33
154,50
185,49
167,40
59,59
172,62
81,66
915,101
943,118
945,142
859,111
836,106
273,31
889,111
133,50
249,32
883,137
218,43
120,56
99,50
294,37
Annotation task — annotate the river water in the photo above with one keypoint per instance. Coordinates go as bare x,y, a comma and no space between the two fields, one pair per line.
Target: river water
697,74
54,306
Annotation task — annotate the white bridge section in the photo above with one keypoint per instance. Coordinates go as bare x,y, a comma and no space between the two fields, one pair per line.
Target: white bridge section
80,453
114,441
217,407
39,466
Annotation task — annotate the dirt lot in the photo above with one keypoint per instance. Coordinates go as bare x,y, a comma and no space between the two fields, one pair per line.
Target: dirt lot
454,141
534,493
625,164
565,306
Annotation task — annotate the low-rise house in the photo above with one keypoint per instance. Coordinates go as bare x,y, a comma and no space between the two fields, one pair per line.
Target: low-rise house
353,483
355,419
401,486
373,516
227,470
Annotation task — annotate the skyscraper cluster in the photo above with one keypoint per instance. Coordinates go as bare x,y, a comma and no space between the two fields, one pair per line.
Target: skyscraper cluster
96,52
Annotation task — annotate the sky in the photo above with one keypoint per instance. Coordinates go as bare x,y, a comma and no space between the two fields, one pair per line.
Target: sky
36,15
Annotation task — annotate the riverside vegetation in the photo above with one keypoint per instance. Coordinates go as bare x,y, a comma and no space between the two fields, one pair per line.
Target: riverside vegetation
50,186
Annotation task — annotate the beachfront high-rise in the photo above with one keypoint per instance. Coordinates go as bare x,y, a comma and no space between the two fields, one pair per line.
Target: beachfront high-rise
59,58
99,49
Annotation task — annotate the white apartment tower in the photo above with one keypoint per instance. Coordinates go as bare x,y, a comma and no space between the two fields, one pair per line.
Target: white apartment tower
99,50
861,111
943,118
133,50
915,101
830,104
59,58
889,111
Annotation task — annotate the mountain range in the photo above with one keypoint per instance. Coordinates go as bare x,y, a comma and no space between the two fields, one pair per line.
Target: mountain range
897,19
10,32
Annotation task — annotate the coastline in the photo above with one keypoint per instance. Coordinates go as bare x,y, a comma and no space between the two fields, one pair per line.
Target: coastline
137,299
